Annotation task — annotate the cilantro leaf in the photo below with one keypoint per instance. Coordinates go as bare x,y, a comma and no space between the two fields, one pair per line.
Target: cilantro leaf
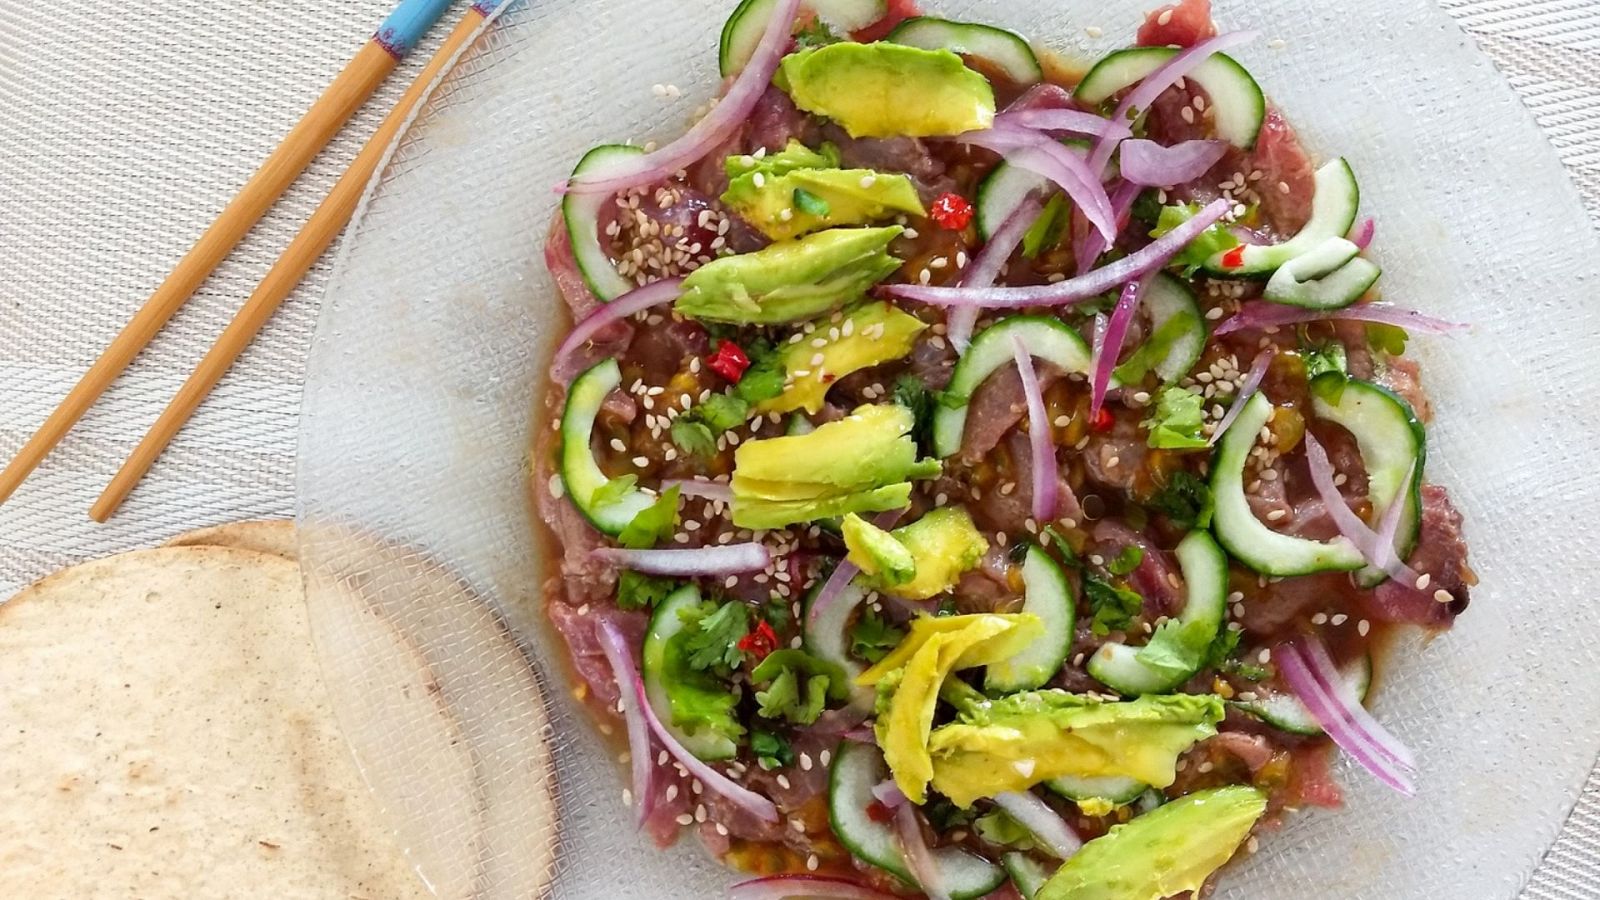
1176,647
816,34
722,412
711,635
911,393
772,751
811,204
613,490
764,379
1176,423
1185,499
653,524
1068,556
636,590
1330,358
1126,561
798,686
1046,231
693,437
872,637
1114,607
1214,240
1222,649
777,612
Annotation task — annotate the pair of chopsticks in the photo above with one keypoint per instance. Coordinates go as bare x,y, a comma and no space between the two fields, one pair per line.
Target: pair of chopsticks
396,37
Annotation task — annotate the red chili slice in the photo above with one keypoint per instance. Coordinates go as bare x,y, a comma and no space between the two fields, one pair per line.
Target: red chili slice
729,361
952,212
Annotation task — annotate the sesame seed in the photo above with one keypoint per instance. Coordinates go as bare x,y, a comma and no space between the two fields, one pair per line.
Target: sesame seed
785,215
868,181
798,825
627,797
1265,655
783,781
1319,619
1276,44
760,180
1276,514
1187,114
686,819
938,263
1283,187
1097,559
1339,619
722,829
1362,627
1063,421
1422,581
1165,18
730,581
700,812
1443,596
661,760
640,462
805,762
825,757
1093,31
812,862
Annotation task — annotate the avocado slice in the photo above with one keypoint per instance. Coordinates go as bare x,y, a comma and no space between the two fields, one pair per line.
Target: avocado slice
1170,850
793,156
876,553
886,90
790,281
1022,739
864,462
805,200
869,335
937,647
919,560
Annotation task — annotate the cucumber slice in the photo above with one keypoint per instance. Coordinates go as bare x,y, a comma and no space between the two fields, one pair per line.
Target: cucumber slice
1177,332
743,30
1001,192
1046,338
1285,712
1243,535
827,638
1112,788
1333,212
1006,49
798,424
581,213
1027,874
1238,104
1048,595
856,769
1331,275
664,626
1392,443
1205,576
580,474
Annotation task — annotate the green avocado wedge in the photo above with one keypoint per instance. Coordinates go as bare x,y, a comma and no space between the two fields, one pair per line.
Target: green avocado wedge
1170,850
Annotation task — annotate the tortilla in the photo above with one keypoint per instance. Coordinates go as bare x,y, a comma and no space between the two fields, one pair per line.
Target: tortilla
164,732
274,536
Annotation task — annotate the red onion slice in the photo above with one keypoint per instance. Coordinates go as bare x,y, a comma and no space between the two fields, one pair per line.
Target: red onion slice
1108,346
1046,503
565,365
620,656
862,735
702,490
725,118
1090,244
722,559
1091,284
1152,165
1337,718
919,857
1138,100
984,270
1247,389
889,794
1363,233
1345,518
1042,155
1328,678
714,781
799,887
1044,823
1266,314
1072,121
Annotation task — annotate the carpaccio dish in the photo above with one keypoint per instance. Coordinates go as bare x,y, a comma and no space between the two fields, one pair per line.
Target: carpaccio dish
970,474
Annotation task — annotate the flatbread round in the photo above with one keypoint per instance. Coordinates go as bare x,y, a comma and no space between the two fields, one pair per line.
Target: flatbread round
164,732
274,536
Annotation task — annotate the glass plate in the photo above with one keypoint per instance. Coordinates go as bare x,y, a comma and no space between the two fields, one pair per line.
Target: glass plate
413,466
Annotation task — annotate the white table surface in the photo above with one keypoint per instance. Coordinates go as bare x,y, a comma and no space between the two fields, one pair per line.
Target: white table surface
124,129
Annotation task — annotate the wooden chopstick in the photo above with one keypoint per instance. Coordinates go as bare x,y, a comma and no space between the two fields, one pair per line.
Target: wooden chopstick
313,240
354,84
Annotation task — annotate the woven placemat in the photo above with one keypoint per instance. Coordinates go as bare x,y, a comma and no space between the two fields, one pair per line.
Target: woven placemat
124,129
